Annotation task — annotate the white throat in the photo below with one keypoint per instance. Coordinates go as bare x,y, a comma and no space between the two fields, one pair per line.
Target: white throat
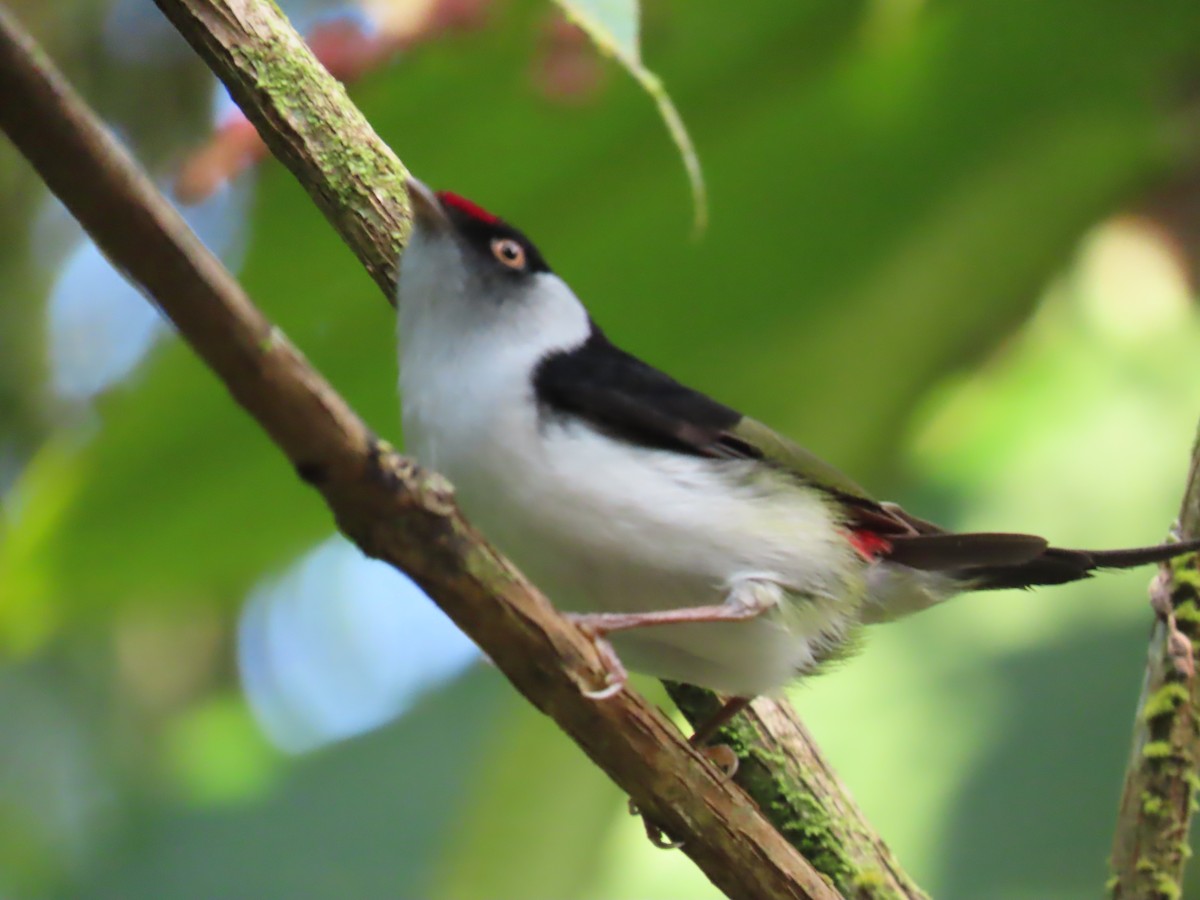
468,352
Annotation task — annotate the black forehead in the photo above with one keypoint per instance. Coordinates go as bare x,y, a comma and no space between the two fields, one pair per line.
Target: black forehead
478,228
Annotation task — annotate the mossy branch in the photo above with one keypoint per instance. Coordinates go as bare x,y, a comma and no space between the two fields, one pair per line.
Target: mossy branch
782,768
1150,846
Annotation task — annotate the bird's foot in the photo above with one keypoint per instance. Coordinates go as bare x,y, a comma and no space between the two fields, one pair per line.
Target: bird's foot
748,601
654,831
720,755
615,675
658,837
723,757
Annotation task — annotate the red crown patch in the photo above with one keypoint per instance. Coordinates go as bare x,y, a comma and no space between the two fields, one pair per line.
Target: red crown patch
463,205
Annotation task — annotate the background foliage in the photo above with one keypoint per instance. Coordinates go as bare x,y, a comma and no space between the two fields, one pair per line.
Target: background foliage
922,262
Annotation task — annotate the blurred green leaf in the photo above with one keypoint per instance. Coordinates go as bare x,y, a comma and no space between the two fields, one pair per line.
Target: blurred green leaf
1009,712
217,753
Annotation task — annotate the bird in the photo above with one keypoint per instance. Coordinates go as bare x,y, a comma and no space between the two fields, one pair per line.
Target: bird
691,542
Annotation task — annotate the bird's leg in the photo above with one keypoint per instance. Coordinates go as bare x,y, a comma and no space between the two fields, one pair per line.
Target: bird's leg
735,609
708,729
747,599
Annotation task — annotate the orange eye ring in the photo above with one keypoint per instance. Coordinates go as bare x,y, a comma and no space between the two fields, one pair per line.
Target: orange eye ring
509,253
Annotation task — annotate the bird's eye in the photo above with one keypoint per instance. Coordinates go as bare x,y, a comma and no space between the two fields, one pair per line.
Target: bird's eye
509,253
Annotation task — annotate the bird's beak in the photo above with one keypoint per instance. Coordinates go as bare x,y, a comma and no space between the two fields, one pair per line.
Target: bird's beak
427,209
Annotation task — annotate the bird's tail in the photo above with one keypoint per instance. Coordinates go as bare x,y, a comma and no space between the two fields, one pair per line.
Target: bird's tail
982,561
1056,565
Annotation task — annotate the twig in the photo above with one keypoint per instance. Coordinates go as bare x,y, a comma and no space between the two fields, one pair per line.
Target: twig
1150,847
389,507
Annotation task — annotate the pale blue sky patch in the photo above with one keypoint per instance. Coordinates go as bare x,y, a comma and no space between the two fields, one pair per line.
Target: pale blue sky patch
340,644
99,326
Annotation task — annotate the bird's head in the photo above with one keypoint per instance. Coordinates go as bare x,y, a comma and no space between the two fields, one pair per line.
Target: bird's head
468,270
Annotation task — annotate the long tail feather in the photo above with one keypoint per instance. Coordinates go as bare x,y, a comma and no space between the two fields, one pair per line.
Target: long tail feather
1057,565
947,551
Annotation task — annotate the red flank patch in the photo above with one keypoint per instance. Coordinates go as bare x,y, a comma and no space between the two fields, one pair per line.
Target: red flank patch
869,545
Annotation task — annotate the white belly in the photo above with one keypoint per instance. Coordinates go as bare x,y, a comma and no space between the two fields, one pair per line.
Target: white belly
601,526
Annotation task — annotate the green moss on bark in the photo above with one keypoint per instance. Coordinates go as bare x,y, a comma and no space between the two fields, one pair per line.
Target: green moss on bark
838,846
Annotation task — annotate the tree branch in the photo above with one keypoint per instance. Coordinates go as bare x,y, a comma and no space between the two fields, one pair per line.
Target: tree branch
782,768
391,509
1150,847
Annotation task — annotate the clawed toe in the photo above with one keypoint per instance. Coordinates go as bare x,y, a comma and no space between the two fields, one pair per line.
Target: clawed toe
723,757
610,690
657,836
614,670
